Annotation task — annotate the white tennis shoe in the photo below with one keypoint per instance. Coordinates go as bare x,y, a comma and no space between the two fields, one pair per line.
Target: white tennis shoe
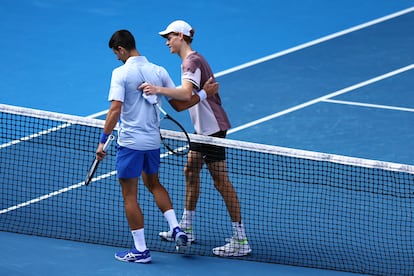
234,248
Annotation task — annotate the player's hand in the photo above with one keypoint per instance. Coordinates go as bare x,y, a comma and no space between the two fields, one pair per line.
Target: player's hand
100,154
211,87
148,88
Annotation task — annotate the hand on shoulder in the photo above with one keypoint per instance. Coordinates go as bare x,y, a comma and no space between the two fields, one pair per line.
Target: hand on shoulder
211,87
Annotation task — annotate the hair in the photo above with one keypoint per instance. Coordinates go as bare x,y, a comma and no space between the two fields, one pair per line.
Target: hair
189,39
122,38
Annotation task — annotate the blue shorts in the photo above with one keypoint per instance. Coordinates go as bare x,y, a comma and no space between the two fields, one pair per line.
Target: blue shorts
130,163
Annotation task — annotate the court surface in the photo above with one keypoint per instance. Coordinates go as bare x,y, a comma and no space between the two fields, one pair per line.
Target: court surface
313,75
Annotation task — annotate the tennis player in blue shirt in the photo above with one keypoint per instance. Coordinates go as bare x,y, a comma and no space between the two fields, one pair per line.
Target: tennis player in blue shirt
138,153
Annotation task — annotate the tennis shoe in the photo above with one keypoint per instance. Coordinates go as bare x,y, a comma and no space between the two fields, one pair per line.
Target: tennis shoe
168,235
134,256
234,248
181,240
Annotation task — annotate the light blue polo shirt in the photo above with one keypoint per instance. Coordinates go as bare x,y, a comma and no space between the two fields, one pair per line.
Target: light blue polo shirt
139,120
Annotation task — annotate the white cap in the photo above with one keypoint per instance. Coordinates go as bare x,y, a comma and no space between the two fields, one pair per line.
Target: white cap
178,26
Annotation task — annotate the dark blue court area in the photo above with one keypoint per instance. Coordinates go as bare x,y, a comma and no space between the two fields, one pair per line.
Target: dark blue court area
323,76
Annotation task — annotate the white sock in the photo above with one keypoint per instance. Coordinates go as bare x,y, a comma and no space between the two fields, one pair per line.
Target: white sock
139,239
238,230
171,218
187,219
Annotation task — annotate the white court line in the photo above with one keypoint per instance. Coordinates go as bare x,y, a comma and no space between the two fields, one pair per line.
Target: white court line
370,105
63,190
35,135
323,98
45,132
98,114
297,48
314,42
55,193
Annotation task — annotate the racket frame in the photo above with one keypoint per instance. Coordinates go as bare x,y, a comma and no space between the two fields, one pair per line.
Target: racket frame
180,150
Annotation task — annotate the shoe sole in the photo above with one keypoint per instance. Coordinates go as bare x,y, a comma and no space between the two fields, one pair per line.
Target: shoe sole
238,254
142,261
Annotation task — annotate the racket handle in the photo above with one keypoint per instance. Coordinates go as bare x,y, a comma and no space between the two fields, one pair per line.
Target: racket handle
108,142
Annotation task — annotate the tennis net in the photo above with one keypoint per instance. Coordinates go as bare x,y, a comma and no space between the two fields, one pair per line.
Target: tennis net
299,207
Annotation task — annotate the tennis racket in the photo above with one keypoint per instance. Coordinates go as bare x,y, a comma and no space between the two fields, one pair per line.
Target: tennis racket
180,144
95,162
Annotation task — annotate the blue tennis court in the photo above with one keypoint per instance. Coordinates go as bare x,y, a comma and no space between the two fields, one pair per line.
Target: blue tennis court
342,87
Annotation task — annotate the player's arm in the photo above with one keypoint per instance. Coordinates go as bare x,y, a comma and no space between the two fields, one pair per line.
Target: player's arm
182,93
111,120
113,116
210,88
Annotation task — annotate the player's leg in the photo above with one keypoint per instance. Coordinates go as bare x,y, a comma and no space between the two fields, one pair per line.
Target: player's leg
151,180
192,179
218,172
237,245
140,252
133,211
161,197
128,179
192,176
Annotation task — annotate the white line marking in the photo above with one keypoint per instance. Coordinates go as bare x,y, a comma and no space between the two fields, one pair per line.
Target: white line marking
323,98
45,132
55,193
64,190
314,42
32,136
370,105
98,114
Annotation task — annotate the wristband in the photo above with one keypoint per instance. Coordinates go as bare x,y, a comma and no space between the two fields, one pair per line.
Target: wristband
103,138
202,94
